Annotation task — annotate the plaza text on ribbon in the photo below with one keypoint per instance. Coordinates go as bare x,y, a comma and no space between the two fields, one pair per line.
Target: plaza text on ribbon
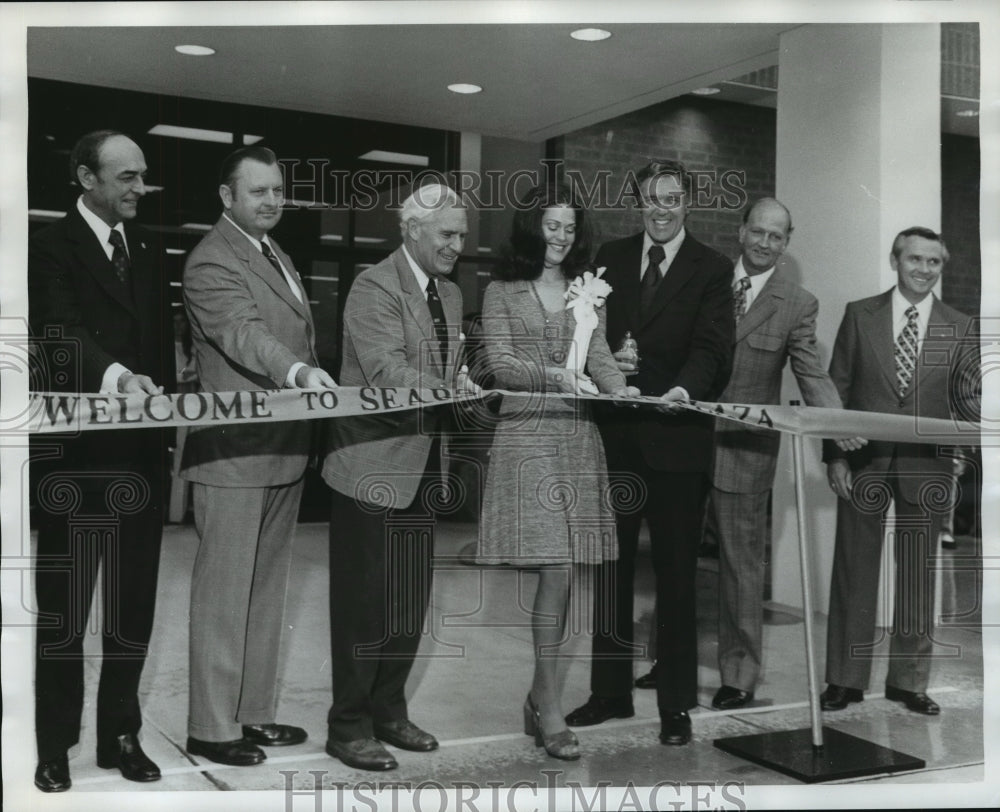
62,413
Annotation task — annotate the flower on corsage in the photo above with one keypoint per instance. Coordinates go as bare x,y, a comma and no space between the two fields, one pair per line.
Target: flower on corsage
587,292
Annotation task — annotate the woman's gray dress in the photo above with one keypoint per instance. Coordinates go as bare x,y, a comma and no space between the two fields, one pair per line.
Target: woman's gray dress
546,498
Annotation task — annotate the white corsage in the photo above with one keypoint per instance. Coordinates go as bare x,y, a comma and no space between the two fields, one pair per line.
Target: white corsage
586,293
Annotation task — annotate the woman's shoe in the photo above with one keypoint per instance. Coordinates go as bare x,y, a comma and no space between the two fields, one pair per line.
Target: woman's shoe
563,744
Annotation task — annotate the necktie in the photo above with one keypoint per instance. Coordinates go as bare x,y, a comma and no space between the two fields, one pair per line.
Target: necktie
740,297
651,278
440,324
906,351
265,249
119,257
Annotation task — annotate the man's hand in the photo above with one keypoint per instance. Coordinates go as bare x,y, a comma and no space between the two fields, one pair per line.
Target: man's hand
626,361
129,384
464,385
838,474
851,443
314,378
671,399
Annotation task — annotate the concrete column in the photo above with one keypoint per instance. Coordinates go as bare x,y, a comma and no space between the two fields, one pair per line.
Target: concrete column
858,160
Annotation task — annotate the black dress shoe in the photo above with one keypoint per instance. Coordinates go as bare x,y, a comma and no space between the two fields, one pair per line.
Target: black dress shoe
914,700
238,752
675,727
53,776
599,709
836,697
273,735
365,754
647,680
727,698
407,736
127,756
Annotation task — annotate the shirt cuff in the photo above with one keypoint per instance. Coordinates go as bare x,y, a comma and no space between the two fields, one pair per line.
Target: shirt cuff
290,377
685,391
109,383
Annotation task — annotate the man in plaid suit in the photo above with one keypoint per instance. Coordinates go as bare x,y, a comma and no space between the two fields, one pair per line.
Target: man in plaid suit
775,323
401,329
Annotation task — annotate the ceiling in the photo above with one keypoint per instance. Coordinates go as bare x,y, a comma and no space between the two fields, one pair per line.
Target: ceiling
537,81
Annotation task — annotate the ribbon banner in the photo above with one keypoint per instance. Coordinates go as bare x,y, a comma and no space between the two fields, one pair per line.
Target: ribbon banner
60,413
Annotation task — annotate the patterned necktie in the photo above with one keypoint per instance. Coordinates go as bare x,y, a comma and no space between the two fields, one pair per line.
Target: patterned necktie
740,297
265,249
440,324
651,278
119,257
906,351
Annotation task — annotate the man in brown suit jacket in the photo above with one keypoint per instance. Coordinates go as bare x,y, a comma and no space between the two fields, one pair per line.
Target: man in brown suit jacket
903,352
401,329
252,329
775,324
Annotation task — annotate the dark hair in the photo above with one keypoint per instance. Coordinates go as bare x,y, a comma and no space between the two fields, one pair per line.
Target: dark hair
660,166
524,257
87,152
918,231
231,164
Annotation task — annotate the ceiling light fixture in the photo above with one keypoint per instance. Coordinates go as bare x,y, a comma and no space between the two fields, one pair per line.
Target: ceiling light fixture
45,214
706,91
386,157
590,34
252,139
967,113
194,50
372,240
193,133
462,87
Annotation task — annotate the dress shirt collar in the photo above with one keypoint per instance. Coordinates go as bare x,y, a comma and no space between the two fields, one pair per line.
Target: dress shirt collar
418,272
899,307
256,243
670,250
757,281
101,229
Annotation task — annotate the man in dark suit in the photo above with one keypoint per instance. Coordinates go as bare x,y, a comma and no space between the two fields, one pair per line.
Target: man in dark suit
903,352
775,324
97,281
251,329
673,294
401,328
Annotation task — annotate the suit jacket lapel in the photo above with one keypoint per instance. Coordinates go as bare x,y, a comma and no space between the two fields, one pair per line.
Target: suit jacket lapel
416,303
90,253
684,266
764,305
625,291
877,325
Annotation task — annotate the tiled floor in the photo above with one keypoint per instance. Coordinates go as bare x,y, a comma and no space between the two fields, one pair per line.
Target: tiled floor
473,673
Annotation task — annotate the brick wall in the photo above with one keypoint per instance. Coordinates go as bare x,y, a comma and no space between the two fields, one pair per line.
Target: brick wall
705,135
960,283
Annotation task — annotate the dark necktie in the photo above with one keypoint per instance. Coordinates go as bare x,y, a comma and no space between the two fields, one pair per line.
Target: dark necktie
119,257
651,278
265,249
906,351
440,324
740,297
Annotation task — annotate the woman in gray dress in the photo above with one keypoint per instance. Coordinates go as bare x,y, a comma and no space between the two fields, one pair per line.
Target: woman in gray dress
546,503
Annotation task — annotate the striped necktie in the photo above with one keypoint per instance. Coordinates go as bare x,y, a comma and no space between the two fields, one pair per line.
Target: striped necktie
906,351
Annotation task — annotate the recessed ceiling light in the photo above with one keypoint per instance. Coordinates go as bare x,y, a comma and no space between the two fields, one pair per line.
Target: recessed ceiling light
194,50
372,240
706,91
461,87
45,214
590,34
151,188
176,251
967,113
331,237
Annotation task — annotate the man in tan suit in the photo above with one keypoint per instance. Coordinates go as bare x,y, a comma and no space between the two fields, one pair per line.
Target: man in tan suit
775,324
401,329
252,330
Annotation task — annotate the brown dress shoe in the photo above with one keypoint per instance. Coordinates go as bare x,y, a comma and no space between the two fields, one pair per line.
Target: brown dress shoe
236,753
273,735
728,698
364,754
404,734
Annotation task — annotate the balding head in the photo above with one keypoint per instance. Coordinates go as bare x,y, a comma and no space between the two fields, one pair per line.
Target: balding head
764,235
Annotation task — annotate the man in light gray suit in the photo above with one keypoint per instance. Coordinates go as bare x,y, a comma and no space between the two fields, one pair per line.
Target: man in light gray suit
252,330
775,324
401,329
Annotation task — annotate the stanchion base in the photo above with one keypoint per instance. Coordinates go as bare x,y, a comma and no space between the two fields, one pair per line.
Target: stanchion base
843,755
